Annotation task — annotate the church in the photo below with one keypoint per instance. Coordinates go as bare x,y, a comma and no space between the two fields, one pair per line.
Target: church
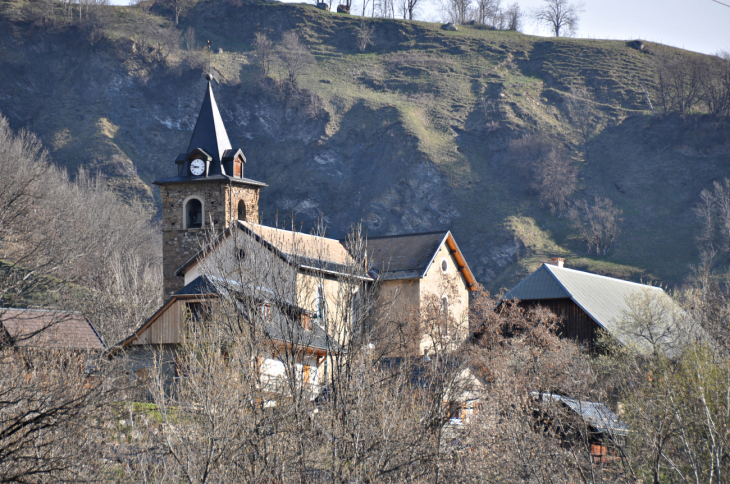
214,244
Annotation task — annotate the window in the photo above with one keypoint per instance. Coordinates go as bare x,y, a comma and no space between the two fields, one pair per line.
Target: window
445,314
266,311
193,214
238,168
241,210
320,302
305,374
306,320
196,310
355,307
240,254
444,265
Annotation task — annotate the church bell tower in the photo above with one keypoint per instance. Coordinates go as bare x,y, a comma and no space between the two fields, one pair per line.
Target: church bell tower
209,189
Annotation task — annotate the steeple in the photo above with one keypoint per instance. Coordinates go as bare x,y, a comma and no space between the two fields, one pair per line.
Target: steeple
210,134
209,189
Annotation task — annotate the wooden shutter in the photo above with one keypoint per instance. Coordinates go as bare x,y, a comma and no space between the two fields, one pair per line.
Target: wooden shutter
305,374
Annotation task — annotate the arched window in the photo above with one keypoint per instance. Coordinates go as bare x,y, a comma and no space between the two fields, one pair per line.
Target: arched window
193,214
241,210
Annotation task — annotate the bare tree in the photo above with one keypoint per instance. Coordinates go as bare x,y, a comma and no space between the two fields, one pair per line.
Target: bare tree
296,57
408,8
680,82
560,16
553,173
598,223
50,404
581,111
456,11
264,49
715,81
487,11
513,17
178,7
364,34
714,213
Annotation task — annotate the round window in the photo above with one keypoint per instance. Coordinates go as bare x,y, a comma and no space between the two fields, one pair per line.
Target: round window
444,265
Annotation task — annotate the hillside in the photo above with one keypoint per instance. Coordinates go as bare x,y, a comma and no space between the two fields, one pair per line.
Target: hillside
412,135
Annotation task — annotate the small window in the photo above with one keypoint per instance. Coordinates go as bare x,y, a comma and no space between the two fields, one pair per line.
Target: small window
306,320
445,314
320,302
238,167
240,254
196,311
194,214
241,210
266,311
444,265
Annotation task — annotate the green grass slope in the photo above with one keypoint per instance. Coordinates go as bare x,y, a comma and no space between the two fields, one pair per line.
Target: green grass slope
411,135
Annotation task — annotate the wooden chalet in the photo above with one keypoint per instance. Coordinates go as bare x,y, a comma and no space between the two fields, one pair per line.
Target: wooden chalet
585,302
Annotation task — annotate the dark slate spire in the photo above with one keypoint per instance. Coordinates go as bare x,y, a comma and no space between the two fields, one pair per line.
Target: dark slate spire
209,134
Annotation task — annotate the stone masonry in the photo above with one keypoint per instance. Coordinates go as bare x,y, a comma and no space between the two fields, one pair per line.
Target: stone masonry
220,205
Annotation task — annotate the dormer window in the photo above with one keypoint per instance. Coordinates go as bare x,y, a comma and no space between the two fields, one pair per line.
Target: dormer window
238,167
193,214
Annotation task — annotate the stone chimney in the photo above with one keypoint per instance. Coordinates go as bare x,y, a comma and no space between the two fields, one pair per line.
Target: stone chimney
556,261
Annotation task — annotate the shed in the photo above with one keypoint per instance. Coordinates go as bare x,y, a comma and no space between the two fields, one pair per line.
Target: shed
586,302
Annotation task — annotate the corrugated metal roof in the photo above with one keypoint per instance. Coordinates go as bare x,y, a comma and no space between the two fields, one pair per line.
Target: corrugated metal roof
596,414
603,298
539,285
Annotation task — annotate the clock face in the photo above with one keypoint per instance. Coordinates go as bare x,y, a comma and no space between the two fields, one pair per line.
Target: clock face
197,167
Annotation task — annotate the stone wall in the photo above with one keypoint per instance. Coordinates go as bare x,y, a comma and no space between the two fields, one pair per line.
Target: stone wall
179,243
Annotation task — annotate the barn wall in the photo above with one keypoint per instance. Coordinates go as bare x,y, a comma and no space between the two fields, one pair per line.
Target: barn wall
167,329
576,324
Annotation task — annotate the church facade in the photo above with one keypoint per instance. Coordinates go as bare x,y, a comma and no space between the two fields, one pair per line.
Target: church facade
299,277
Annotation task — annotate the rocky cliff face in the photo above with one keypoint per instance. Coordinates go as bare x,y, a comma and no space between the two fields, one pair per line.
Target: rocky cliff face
411,135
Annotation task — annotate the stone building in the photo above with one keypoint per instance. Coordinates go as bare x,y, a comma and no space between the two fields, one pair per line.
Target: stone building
293,273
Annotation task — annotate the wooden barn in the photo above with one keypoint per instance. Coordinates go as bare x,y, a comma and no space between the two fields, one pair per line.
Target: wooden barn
585,302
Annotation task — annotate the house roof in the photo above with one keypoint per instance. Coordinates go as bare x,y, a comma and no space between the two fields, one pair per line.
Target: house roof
402,256
312,250
302,250
595,414
283,329
46,329
210,178
409,256
604,299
